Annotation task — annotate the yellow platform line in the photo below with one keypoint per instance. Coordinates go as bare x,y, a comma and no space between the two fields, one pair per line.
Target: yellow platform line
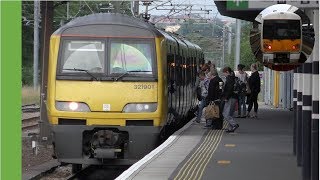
210,143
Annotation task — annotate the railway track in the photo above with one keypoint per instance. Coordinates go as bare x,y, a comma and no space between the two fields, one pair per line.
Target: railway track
95,172
30,117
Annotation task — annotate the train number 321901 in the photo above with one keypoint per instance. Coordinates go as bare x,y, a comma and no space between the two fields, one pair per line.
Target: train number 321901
143,86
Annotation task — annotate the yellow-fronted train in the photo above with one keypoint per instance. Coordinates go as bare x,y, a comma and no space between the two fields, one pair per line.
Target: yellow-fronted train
116,85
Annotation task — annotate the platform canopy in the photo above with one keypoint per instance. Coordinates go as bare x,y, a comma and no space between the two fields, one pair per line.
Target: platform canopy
249,10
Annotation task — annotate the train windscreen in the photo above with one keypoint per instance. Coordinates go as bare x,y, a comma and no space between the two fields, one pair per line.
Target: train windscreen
107,58
131,56
281,29
85,55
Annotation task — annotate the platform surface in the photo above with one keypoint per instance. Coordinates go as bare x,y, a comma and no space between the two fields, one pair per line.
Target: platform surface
261,149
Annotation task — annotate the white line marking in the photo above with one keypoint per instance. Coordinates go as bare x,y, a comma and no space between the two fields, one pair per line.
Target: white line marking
135,167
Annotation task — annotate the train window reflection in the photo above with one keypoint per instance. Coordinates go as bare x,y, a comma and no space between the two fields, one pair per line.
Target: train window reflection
86,55
282,29
131,56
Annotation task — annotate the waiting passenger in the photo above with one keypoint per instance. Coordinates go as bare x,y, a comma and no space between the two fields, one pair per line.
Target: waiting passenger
203,85
254,85
214,93
230,99
243,80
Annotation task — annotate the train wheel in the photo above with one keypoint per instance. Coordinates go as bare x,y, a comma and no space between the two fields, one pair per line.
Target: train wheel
76,168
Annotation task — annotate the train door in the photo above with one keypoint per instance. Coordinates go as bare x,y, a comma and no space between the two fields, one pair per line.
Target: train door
170,75
178,81
185,87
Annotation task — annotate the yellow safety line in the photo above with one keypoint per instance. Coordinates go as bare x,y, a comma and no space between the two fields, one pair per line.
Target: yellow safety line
202,156
191,158
203,159
209,152
195,154
202,170
201,152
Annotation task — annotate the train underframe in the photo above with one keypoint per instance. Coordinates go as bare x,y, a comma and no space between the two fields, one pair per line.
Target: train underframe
281,57
103,145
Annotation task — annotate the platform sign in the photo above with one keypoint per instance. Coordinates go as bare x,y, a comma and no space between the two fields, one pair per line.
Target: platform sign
235,5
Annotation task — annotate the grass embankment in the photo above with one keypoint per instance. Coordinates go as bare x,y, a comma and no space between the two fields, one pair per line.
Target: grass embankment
30,96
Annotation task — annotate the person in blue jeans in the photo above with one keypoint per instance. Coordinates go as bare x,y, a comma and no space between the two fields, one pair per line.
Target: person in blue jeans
230,99
204,84
243,79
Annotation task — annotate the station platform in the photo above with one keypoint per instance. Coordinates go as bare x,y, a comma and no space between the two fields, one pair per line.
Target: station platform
260,149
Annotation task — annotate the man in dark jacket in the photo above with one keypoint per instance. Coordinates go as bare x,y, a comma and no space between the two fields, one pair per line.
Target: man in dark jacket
230,99
254,85
214,93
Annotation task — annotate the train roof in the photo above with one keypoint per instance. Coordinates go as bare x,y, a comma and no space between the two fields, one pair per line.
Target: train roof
281,15
115,25
108,19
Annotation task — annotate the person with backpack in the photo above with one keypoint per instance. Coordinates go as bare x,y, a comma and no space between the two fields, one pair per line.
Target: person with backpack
254,85
203,88
242,91
230,99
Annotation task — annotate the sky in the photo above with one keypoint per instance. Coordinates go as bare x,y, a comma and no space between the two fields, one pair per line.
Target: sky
197,5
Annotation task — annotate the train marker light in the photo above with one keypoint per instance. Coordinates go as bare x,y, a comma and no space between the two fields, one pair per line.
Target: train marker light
297,46
141,107
73,106
269,47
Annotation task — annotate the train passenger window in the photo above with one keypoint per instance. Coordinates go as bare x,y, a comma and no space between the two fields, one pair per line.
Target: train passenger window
85,55
131,56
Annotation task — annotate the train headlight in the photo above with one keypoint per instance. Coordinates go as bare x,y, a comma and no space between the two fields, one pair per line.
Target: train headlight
72,106
143,107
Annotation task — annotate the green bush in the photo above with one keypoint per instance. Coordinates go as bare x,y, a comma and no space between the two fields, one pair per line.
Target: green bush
27,75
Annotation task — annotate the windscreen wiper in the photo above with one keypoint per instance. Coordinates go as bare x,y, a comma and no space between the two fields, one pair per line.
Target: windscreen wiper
126,73
138,71
83,70
122,75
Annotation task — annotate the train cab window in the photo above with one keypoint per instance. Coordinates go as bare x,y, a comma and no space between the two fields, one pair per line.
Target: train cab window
281,29
85,55
135,57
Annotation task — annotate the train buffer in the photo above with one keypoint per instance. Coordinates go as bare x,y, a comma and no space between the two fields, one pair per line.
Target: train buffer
259,149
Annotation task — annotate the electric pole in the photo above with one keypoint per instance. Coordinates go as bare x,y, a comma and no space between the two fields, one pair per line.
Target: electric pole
223,41
229,40
68,11
237,55
36,43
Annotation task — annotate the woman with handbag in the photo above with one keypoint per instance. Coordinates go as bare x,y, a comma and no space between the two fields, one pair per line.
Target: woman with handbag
213,113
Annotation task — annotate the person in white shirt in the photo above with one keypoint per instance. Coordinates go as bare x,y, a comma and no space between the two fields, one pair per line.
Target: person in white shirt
243,80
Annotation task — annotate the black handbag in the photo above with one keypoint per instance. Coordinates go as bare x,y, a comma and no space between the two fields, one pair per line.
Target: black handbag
199,93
